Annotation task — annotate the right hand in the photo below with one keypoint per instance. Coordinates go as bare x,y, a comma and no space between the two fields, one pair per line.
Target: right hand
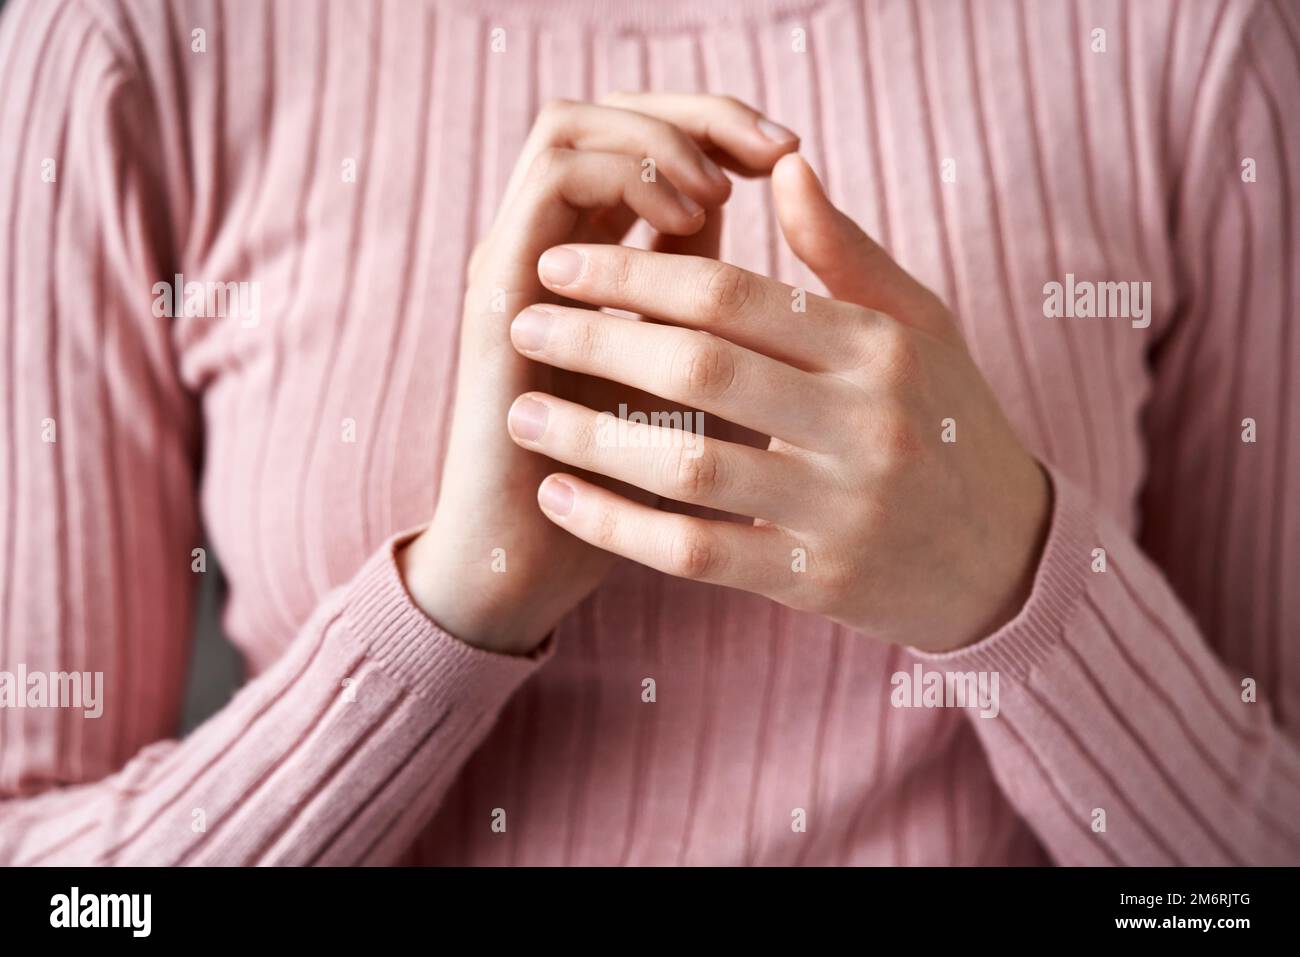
578,179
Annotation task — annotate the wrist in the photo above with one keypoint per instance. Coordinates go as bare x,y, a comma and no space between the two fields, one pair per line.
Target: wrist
1026,526
1033,519
469,602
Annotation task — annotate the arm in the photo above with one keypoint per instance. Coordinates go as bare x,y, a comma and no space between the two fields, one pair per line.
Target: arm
340,752
1126,690
99,519
337,753
1120,691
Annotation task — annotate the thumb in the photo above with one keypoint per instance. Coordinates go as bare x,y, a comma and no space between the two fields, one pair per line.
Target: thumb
853,266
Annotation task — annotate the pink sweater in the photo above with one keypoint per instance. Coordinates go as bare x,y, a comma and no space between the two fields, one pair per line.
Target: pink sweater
136,148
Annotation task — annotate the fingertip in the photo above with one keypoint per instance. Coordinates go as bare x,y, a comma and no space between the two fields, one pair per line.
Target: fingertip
704,189
720,189
684,225
777,134
716,180
555,496
787,169
530,329
527,418
798,193
789,184
793,169
560,266
690,207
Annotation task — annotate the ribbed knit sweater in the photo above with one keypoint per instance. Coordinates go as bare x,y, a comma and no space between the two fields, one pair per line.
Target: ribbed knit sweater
345,157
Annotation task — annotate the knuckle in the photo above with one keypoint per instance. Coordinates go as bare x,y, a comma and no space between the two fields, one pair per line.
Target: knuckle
621,269
896,439
724,291
692,554
546,165
604,530
553,111
862,338
834,584
584,341
896,357
582,438
703,367
694,473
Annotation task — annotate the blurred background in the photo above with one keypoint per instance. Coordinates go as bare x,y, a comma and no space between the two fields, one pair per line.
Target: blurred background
216,669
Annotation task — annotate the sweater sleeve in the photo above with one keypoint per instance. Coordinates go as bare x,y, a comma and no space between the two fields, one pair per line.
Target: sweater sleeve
340,751
1150,689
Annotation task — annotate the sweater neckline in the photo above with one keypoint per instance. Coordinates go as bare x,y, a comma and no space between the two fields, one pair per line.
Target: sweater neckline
643,15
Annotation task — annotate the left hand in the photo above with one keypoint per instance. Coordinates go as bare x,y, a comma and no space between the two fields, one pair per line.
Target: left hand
904,536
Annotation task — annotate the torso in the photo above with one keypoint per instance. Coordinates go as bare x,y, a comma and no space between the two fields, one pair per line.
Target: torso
759,710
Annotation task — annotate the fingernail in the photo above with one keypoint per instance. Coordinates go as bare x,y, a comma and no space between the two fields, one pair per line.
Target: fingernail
775,131
561,265
556,496
713,171
528,419
691,206
530,328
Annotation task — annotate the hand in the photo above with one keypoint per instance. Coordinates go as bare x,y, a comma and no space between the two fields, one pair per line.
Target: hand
905,536
579,178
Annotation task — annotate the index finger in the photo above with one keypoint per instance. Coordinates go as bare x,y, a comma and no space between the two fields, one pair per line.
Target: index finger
746,140
753,311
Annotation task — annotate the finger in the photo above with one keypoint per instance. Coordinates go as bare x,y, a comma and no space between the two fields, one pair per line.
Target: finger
626,129
669,455
751,557
612,226
660,147
751,310
607,226
615,227
563,183
702,371
706,242
852,265
587,179
744,138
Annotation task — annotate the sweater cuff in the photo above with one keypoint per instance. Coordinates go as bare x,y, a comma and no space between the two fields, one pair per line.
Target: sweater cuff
384,621
1059,583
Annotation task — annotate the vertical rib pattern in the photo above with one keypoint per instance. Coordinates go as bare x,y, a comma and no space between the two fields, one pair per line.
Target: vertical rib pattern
366,734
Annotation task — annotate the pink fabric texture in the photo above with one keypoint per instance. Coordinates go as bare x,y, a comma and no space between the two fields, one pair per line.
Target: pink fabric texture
367,735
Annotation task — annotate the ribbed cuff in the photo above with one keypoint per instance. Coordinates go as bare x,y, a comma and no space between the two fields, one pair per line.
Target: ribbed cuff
1028,639
395,633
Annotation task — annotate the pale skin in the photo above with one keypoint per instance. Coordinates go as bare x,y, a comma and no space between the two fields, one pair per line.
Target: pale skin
579,178
856,508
